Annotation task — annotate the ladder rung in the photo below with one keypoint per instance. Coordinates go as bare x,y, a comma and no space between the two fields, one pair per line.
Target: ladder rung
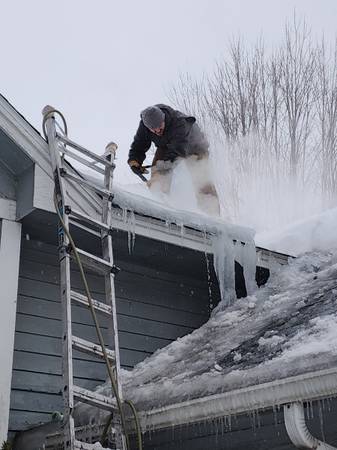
92,349
74,214
84,228
85,151
79,445
99,306
94,262
94,399
90,432
81,160
86,183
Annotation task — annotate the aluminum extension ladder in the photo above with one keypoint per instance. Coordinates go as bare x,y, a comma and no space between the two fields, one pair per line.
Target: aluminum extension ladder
59,143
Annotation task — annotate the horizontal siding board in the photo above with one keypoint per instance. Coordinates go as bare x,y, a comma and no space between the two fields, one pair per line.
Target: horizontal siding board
51,383
23,419
49,364
43,402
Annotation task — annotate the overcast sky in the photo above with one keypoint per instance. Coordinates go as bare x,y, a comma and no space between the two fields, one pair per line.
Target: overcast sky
101,62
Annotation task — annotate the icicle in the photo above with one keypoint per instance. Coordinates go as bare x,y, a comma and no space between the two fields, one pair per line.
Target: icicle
209,285
223,250
132,229
130,220
125,215
321,419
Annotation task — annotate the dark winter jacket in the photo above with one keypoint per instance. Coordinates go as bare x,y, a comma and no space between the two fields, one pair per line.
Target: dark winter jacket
182,137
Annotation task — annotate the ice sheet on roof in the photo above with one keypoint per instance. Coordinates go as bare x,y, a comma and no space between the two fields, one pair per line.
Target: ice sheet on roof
286,328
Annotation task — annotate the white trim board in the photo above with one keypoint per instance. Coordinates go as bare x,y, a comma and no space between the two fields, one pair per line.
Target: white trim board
7,209
9,274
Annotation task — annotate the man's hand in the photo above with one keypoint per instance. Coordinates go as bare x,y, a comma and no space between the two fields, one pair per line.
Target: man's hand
136,165
138,169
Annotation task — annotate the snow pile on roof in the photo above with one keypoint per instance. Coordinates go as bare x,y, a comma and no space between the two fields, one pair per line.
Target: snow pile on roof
287,328
178,207
140,199
318,232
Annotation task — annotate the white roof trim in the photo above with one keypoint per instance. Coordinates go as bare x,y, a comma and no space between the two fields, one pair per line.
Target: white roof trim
24,135
310,386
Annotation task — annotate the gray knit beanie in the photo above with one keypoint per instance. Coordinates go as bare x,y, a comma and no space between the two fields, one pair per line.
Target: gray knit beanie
152,117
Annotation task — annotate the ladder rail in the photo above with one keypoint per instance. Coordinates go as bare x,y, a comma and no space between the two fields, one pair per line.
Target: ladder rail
60,198
102,265
110,278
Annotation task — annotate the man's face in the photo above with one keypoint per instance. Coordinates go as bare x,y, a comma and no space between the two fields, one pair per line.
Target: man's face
159,130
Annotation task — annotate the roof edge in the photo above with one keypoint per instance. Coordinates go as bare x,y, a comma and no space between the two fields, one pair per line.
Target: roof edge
20,131
307,387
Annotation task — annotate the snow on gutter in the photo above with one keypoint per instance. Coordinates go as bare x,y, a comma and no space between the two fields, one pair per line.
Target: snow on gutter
310,386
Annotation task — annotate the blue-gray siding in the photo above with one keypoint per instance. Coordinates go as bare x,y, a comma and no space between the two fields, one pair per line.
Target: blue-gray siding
162,293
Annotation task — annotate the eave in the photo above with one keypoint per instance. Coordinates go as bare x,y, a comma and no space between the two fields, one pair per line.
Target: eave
24,135
307,387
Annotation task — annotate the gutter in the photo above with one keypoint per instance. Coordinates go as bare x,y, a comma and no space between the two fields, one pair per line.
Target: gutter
310,386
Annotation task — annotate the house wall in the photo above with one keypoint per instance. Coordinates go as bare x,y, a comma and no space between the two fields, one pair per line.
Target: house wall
163,292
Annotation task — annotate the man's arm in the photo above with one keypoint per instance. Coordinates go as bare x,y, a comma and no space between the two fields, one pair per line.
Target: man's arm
140,145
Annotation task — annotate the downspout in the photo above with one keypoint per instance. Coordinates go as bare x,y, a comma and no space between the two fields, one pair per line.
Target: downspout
297,429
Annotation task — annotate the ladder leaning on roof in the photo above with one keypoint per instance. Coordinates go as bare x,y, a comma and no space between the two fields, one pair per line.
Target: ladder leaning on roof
59,147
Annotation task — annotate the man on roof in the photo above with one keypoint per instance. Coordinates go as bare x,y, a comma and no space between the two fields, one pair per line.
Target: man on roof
176,136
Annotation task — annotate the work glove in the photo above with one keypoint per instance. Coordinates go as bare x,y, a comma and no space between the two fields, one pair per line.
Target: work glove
137,168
